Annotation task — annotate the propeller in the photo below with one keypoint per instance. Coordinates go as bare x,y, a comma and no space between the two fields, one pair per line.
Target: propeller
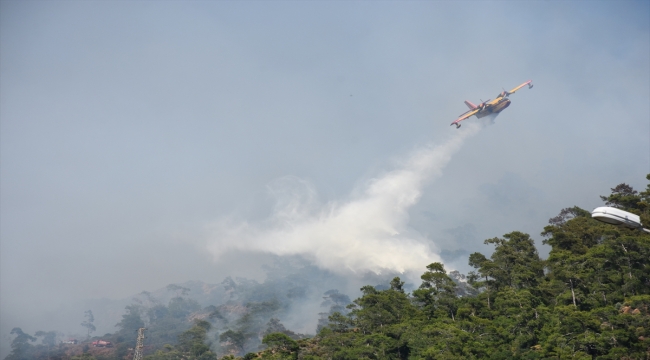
481,106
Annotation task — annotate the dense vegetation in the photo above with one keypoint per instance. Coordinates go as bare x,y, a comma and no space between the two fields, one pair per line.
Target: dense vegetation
589,300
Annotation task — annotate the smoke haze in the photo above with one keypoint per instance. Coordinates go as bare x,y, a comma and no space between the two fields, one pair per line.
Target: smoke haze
369,231
126,127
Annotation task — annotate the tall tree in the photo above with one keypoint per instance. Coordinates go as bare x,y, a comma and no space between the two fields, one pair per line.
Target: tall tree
194,341
644,205
377,309
437,292
281,342
20,345
130,323
88,322
514,263
235,340
624,197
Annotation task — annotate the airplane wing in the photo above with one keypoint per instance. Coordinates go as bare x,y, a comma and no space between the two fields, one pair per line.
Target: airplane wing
529,83
464,116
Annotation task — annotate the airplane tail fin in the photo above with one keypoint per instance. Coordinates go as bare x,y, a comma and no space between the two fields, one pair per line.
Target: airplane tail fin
470,105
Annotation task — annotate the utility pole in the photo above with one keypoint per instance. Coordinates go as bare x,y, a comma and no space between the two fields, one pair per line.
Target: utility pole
139,344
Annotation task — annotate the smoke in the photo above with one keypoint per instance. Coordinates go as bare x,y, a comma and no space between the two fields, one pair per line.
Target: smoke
369,231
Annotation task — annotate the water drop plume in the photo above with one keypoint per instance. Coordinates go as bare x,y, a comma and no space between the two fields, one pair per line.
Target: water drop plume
368,231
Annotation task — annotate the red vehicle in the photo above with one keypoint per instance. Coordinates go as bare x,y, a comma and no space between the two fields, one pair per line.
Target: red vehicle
102,343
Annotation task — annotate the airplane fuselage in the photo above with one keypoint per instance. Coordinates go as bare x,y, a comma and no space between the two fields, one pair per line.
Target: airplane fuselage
494,109
489,107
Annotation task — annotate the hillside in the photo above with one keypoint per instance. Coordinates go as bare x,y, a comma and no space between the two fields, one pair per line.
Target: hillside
589,299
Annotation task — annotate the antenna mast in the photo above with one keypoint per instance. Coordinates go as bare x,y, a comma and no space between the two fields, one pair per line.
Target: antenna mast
139,344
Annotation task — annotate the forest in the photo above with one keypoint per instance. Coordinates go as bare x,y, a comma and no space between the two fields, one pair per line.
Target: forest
588,300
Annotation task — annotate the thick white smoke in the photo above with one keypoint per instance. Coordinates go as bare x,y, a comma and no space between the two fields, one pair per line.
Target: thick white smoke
367,232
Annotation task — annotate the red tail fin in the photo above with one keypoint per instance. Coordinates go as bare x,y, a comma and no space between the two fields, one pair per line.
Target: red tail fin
470,105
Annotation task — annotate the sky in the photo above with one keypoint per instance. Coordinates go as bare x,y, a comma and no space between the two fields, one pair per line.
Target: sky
147,143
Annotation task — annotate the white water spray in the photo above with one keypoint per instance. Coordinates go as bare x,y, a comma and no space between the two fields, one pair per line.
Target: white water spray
367,232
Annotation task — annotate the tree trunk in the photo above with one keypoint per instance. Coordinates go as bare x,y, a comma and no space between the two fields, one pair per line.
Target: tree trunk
629,264
488,291
573,294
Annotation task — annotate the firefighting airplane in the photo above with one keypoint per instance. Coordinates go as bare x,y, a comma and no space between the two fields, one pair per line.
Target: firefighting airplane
489,107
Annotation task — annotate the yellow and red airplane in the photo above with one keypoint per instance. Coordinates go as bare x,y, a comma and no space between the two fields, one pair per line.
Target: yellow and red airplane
489,107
